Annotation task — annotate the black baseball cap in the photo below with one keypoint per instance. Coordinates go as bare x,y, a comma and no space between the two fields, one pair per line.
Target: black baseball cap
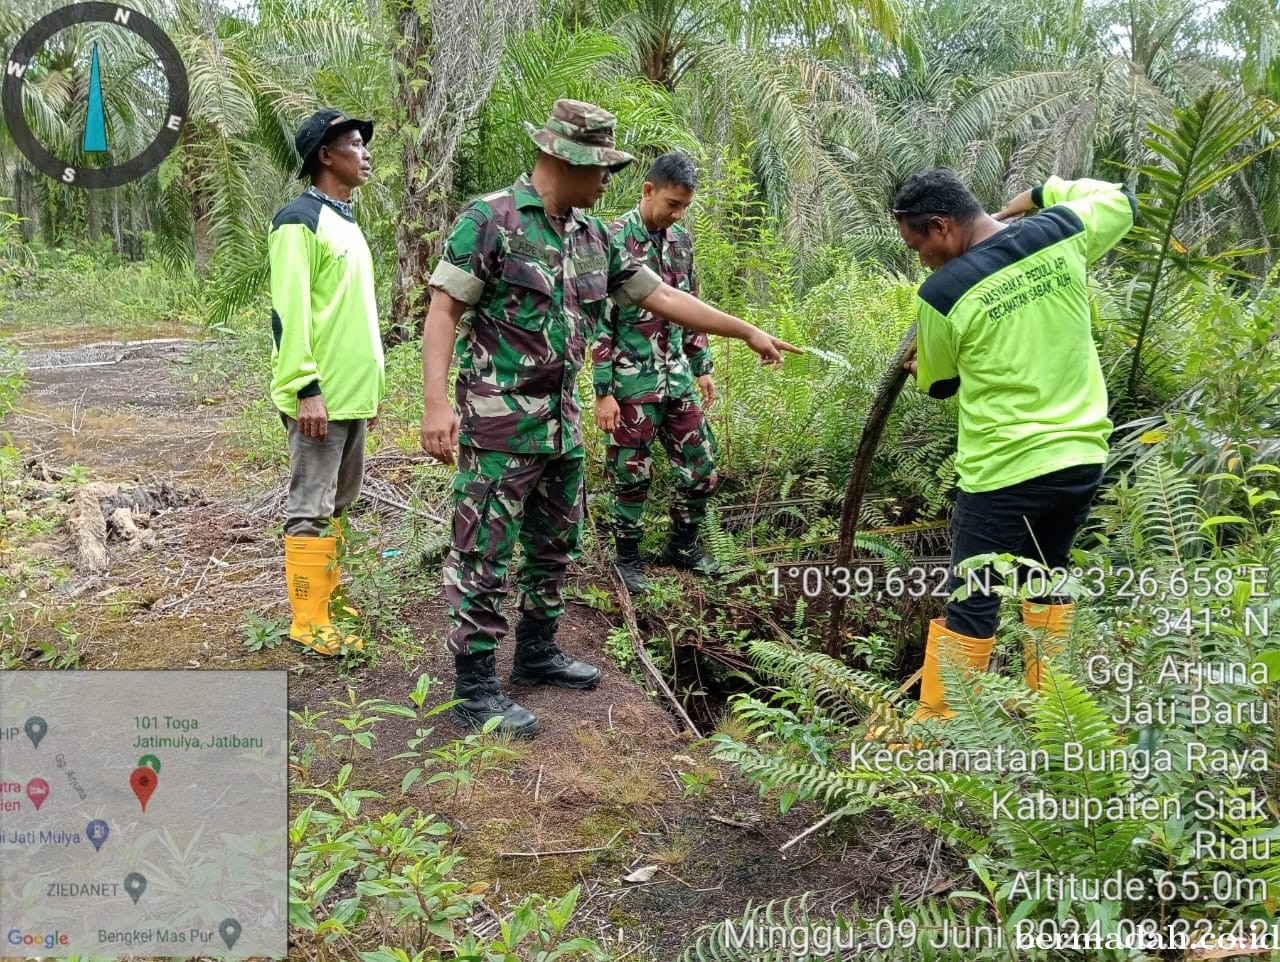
320,128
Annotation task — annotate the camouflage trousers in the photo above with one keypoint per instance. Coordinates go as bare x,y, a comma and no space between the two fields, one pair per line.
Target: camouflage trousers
678,423
500,499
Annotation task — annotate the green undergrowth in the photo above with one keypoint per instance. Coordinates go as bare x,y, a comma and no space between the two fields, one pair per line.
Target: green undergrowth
377,860
97,295
36,629
1171,592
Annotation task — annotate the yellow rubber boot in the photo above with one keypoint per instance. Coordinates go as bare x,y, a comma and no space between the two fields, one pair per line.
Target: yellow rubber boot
1049,625
310,576
974,653
342,605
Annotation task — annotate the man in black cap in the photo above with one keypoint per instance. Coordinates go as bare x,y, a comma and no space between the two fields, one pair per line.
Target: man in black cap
327,374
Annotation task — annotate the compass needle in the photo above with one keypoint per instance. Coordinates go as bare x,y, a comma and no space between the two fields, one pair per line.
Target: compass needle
95,124
100,173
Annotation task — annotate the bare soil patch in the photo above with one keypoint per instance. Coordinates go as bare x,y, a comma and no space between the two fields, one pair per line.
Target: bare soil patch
596,796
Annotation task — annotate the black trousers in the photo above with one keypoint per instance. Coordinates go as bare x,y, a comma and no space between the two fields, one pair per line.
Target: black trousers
1037,518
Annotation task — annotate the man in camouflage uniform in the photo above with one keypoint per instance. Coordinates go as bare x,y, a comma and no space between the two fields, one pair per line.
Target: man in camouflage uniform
531,272
643,375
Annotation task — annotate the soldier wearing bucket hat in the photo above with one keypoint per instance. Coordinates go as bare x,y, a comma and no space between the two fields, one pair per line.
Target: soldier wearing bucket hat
532,273
580,134
326,364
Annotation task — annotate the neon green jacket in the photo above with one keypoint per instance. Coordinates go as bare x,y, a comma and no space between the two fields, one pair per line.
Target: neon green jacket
324,321
1007,326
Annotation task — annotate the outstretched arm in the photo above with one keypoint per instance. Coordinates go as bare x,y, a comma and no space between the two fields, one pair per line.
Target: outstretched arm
687,311
1017,207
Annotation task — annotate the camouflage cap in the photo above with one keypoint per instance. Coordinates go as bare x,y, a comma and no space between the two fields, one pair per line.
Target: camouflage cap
579,133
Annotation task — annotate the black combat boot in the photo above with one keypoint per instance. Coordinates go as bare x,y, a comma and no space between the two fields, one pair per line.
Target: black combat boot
629,566
478,684
539,660
682,551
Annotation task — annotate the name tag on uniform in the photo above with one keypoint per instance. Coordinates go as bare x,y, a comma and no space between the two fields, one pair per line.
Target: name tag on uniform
517,244
590,263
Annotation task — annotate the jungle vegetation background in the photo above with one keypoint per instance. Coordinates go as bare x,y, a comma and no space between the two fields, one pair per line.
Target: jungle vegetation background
804,118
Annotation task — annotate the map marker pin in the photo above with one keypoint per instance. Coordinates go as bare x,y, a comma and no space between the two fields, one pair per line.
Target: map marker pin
230,931
36,727
97,831
37,791
143,782
135,885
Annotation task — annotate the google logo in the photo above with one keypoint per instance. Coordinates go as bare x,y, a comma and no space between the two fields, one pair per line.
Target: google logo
45,940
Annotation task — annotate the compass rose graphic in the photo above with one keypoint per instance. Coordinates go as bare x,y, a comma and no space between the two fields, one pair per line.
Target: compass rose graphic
95,140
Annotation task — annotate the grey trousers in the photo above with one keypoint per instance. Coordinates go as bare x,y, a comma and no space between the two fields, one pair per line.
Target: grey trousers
324,476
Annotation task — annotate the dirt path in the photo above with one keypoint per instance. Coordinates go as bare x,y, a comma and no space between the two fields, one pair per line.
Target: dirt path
603,776
120,409
125,413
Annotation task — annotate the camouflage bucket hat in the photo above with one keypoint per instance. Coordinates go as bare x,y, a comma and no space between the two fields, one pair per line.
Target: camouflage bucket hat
579,133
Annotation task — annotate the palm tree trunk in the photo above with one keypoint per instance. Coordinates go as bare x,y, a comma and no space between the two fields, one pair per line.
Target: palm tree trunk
198,202
25,203
131,238
93,215
418,245
446,54
117,239
415,239
203,235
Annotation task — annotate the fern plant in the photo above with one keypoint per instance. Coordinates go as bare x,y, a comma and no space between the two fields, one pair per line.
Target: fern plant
718,541
1228,414
1208,143
1152,517
794,743
772,932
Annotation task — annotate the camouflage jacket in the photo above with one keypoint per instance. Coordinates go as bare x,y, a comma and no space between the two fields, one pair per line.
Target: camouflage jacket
638,356
535,297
